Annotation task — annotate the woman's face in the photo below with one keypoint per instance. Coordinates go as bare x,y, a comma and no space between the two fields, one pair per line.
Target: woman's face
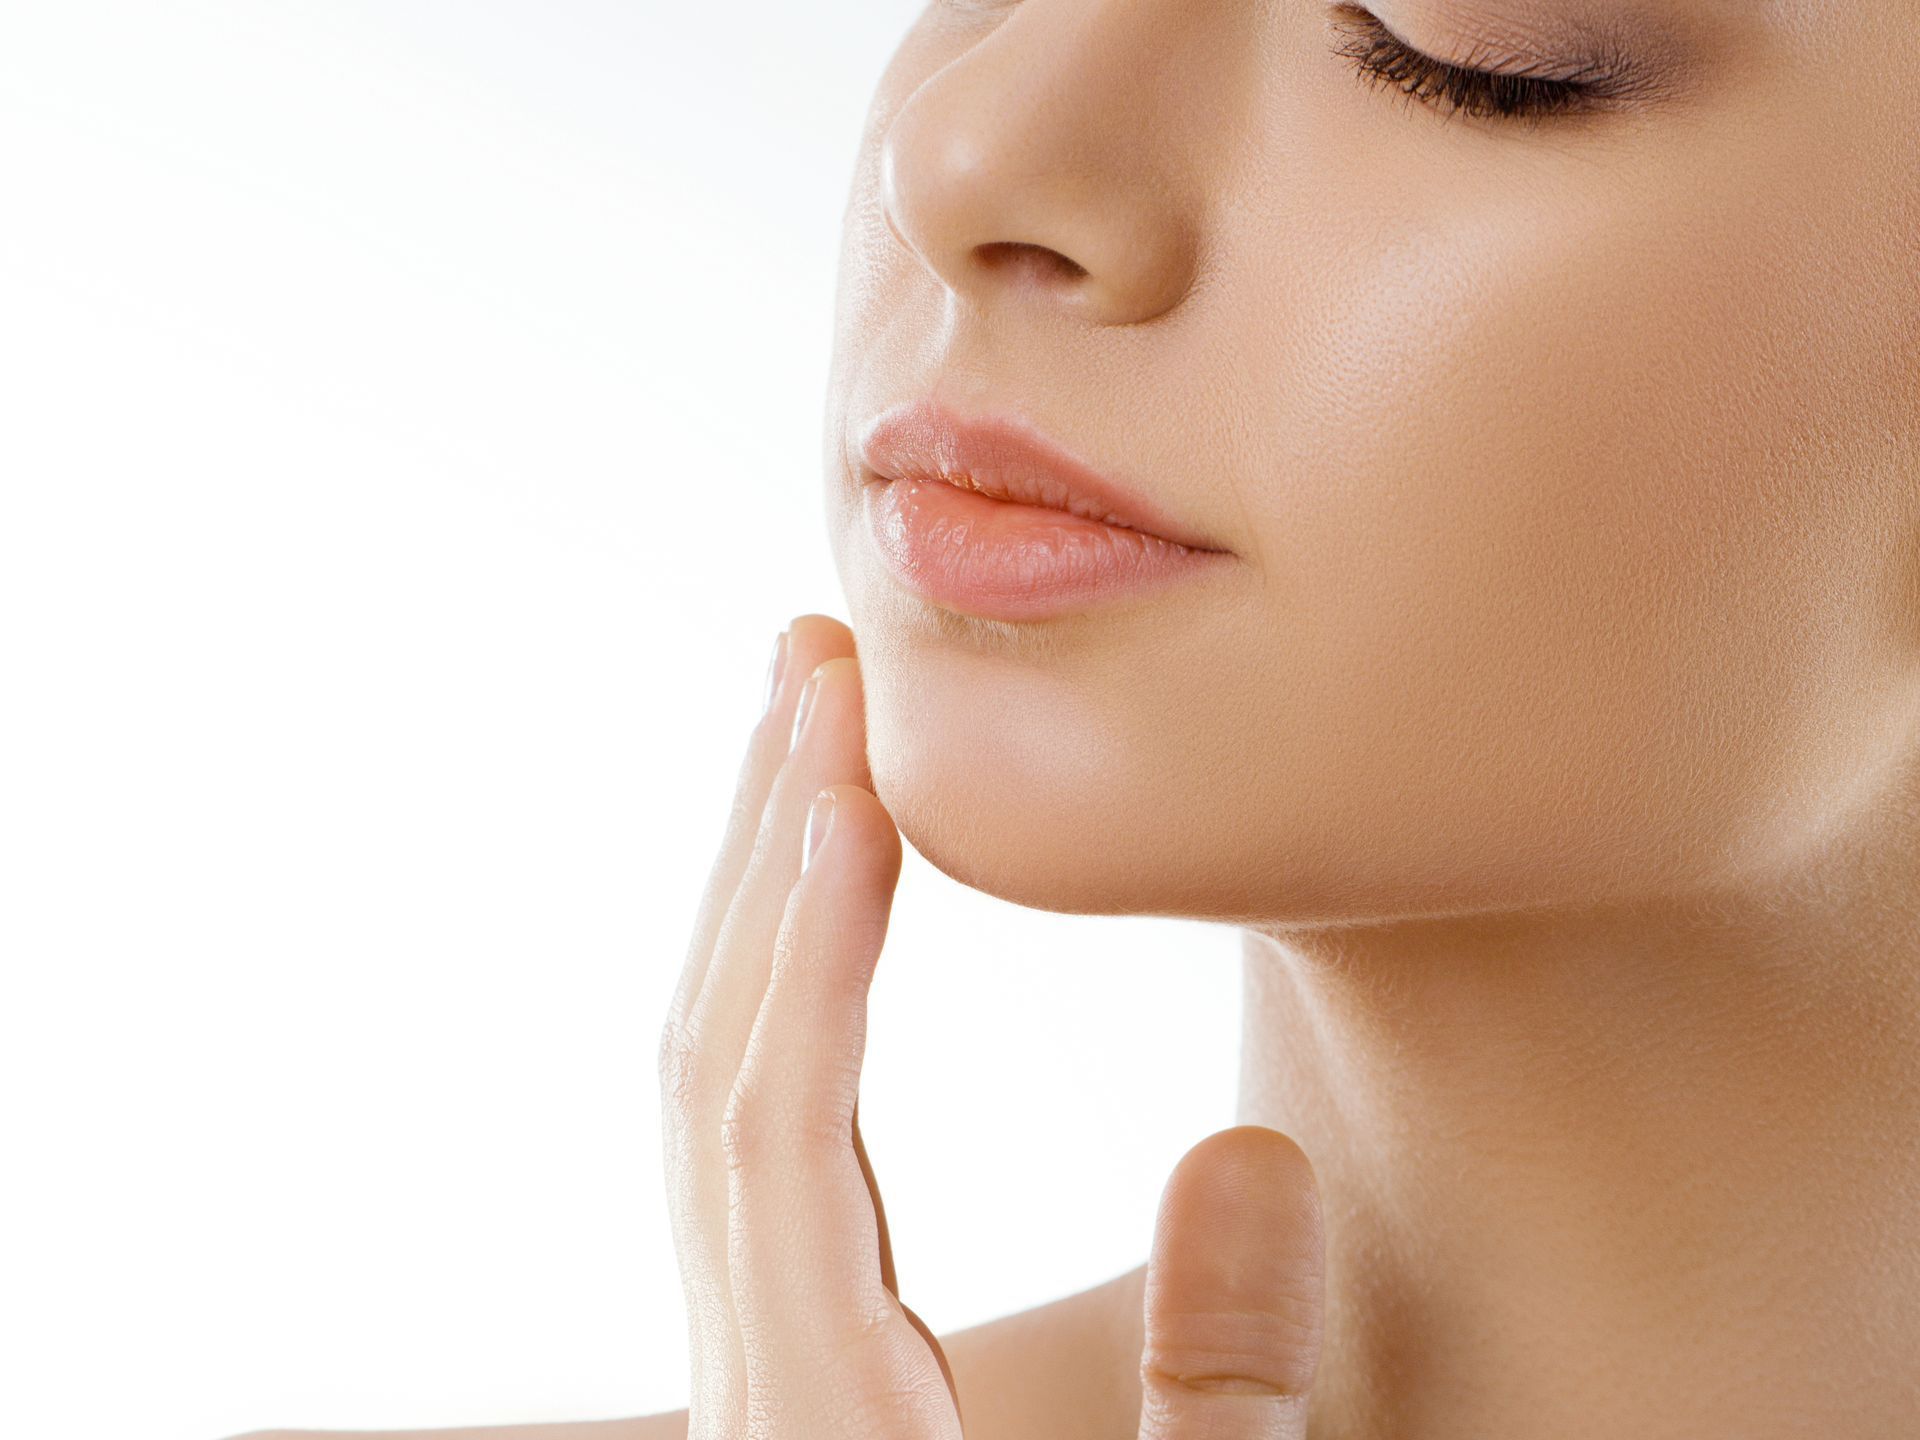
1568,463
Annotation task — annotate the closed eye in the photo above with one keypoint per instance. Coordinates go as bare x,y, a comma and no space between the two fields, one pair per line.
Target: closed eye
1528,91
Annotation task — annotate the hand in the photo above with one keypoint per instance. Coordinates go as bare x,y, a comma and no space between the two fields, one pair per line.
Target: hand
796,1328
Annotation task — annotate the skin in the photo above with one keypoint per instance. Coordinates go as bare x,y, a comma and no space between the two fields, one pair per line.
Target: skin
1554,739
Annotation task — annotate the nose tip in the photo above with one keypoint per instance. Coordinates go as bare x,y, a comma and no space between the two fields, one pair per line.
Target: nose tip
1026,168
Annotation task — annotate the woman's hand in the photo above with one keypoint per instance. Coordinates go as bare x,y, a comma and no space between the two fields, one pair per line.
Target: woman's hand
796,1327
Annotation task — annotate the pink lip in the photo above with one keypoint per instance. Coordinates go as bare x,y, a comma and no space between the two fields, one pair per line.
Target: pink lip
987,516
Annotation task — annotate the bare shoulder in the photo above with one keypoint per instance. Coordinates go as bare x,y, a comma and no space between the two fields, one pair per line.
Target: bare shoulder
1068,1370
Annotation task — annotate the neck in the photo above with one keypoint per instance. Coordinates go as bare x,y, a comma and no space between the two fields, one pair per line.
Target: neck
1647,1169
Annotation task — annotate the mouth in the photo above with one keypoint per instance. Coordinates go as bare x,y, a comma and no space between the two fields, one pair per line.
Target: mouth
988,518
1005,460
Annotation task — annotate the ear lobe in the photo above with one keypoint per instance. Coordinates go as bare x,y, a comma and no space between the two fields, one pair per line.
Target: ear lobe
1234,1292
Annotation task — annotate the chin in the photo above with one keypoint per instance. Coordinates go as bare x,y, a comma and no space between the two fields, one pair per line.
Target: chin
1048,795
996,770
1060,788
990,834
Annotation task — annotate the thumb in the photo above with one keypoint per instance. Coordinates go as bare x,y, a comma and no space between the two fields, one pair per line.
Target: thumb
1234,1293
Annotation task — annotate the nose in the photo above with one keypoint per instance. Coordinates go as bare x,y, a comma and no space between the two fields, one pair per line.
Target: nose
1062,157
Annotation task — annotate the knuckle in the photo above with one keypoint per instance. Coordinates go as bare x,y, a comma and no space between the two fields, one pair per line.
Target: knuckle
760,1128
889,1388
744,1133
682,1068
860,1335
1272,1351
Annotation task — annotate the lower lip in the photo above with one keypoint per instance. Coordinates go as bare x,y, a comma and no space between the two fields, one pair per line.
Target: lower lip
1006,561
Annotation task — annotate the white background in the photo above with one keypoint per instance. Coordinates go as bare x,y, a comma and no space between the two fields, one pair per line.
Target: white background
386,586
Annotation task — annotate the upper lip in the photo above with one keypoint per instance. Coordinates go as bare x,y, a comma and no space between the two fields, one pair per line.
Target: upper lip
1008,459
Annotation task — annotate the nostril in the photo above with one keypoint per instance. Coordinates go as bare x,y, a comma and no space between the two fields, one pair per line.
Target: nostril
1017,254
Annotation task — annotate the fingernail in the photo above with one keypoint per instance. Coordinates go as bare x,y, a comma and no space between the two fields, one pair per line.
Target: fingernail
819,818
776,663
804,708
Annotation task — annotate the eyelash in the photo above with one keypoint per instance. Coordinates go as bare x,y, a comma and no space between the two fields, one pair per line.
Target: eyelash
1383,58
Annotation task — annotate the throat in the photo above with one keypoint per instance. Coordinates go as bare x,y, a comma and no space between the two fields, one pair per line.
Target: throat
1579,1181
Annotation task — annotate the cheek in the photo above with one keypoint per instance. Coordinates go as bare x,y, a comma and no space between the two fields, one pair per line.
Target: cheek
1585,551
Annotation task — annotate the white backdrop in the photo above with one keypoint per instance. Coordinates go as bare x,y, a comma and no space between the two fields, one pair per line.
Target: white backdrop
384,599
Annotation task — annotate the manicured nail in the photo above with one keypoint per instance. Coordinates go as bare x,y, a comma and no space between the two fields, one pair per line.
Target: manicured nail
819,819
804,708
776,663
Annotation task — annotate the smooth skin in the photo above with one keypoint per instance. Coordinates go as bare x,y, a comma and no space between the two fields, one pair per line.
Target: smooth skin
1554,743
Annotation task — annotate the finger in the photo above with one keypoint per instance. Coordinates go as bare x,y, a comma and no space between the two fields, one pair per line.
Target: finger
793,1172
1234,1293
828,745
828,1345
829,748
808,641
888,1276
718,1364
